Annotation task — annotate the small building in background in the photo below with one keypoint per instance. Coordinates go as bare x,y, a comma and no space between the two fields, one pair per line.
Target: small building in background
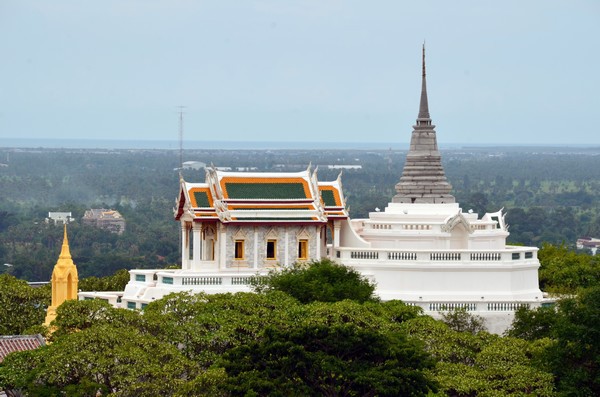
110,220
193,165
589,243
60,218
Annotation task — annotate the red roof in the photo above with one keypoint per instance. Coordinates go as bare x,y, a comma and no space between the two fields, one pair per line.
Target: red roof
18,343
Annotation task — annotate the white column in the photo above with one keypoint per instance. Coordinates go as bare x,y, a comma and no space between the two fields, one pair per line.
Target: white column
335,243
185,248
287,251
196,245
318,229
222,247
255,265
336,234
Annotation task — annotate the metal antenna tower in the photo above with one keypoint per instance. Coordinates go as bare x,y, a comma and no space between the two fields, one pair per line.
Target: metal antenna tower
181,137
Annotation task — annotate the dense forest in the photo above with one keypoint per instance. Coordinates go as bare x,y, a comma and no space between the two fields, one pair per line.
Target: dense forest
550,195
307,331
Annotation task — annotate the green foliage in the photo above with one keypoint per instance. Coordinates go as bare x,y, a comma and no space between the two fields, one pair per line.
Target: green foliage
481,364
205,326
573,331
113,358
461,320
180,345
326,361
565,271
116,282
533,324
575,357
322,281
21,306
73,316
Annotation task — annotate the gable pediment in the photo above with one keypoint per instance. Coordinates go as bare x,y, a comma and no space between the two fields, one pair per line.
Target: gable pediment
456,221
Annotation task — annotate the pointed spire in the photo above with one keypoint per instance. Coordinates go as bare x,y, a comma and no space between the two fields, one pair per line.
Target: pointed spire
423,178
65,253
424,106
64,279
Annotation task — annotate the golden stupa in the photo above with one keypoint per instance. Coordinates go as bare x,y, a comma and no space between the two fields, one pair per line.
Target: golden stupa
64,280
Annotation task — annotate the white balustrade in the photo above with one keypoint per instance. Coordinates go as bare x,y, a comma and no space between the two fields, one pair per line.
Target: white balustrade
483,306
510,255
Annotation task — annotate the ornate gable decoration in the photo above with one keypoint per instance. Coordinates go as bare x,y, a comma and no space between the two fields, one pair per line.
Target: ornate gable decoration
239,234
271,234
453,221
303,234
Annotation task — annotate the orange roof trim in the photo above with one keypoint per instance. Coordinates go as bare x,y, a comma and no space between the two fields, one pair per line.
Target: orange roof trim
271,180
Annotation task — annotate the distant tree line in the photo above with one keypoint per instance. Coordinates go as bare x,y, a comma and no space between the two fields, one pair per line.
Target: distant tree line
548,197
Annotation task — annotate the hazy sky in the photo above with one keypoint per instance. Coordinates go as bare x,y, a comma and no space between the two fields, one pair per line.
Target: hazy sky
498,71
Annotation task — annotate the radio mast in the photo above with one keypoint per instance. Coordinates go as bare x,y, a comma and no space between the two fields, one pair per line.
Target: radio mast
181,138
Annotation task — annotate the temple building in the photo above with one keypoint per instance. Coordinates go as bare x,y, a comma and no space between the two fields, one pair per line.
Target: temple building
102,218
64,280
422,249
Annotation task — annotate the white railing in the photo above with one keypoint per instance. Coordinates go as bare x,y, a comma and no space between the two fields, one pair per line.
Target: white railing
447,306
205,280
402,256
435,226
178,278
482,306
512,254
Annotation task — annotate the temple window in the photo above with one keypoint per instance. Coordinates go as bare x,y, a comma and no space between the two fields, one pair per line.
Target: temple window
303,249
239,249
271,249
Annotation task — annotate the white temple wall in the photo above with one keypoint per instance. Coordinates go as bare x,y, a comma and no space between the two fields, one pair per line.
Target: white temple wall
349,237
448,283
255,245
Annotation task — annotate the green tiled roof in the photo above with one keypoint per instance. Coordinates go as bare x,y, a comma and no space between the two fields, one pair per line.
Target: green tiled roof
201,199
236,190
328,198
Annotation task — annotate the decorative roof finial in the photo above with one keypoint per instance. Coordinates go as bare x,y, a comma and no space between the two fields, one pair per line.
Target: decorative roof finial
423,117
65,253
423,58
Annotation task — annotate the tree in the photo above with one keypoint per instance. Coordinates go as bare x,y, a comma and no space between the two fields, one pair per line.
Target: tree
74,316
533,324
116,282
575,357
481,364
328,361
21,306
566,271
323,281
569,334
205,326
461,320
112,359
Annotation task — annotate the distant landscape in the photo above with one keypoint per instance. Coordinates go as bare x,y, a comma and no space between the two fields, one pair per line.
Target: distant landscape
262,342
550,194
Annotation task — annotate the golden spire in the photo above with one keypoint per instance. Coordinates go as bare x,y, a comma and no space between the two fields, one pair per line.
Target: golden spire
65,253
64,279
